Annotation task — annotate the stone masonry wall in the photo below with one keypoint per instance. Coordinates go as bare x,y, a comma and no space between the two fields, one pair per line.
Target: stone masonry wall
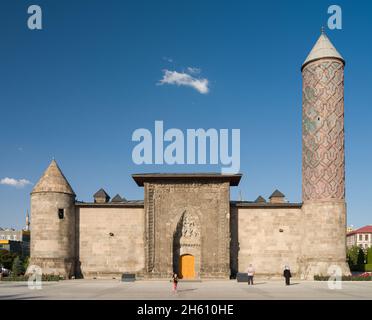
324,243
101,254
257,239
53,239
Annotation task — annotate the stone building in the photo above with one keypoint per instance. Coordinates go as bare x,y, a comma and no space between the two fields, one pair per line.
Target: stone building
188,224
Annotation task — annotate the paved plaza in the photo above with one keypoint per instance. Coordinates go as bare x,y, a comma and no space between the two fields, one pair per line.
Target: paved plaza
159,290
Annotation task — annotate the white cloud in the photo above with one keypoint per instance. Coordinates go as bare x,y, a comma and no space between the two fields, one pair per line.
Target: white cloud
193,70
14,182
184,79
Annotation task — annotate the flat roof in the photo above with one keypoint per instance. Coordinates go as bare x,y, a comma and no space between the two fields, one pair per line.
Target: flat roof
141,178
140,204
249,204
124,204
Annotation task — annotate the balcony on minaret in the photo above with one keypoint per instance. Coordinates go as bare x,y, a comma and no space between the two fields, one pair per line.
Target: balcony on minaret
101,196
277,197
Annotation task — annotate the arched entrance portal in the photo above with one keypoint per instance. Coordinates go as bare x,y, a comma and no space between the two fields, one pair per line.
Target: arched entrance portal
186,246
187,266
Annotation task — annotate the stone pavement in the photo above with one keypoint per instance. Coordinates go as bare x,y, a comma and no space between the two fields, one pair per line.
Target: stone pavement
159,290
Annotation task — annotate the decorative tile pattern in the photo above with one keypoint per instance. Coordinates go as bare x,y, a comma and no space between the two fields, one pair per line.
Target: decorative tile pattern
323,165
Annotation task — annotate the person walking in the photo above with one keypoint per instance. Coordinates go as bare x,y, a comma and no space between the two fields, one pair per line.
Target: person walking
287,275
250,272
175,282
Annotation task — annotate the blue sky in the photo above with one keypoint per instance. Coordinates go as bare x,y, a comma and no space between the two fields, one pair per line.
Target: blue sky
77,89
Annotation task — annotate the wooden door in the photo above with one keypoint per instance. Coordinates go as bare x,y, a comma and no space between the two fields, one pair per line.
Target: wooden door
187,266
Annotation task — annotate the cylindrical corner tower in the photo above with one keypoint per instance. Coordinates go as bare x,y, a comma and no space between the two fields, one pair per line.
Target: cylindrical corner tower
323,161
53,224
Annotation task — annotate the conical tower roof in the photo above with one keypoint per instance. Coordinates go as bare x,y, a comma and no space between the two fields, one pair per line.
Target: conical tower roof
53,180
260,199
101,193
118,198
323,48
277,194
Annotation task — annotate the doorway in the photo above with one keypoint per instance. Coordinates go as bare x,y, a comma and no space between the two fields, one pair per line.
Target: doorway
187,266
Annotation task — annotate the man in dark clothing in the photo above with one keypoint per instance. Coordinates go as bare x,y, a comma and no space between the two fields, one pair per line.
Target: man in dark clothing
287,275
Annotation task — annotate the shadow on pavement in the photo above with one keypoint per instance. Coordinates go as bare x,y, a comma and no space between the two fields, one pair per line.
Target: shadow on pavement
20,297
183,290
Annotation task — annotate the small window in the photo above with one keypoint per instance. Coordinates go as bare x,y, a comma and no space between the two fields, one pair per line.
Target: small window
360,237
366,237
61,213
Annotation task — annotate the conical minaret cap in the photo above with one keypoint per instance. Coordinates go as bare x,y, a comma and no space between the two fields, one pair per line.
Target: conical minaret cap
323,48
53,180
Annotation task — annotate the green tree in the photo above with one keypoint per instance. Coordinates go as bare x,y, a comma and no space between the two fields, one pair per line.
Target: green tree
369,255
17,267
352,256
6,259
361,257
25,263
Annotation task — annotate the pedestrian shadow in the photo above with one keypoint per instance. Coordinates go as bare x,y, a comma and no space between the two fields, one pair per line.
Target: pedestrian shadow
184,290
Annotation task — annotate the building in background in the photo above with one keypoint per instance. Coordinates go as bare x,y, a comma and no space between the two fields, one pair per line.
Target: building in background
11,246
17,241
361,237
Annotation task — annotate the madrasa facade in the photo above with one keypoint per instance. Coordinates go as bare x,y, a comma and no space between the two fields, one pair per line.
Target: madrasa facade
188,224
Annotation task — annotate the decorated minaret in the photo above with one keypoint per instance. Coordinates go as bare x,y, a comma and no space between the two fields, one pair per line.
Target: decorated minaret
53,223
323,161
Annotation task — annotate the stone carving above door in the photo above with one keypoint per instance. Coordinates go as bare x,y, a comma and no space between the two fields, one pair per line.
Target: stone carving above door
187,232
190,228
